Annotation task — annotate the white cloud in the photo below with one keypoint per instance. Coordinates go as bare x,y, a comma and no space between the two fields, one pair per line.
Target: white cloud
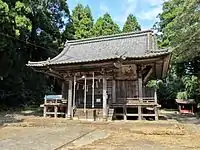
154,2
103,8
144,10
129,6
151,14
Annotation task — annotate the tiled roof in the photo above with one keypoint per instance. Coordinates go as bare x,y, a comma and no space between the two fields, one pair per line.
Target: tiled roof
130,45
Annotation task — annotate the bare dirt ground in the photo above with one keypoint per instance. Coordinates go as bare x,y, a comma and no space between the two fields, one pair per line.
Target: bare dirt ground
29,132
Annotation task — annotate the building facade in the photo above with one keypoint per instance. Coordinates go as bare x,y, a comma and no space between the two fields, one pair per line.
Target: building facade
105,77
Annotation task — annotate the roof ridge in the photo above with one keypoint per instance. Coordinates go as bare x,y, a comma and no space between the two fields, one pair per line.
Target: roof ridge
108,37
160,50
63,52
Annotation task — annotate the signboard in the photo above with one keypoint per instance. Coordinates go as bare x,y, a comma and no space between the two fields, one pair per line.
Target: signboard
98,100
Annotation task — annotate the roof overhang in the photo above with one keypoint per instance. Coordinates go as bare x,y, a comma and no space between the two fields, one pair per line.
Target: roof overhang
133,58
100,52
56,69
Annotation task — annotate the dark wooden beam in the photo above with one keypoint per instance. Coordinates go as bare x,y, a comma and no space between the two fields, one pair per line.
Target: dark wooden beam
166,65
148,75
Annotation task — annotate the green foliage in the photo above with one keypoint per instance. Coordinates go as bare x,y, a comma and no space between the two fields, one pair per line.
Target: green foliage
38,22
168,90
82,21
182,95
152,84
155,84
171,9
105,26
186,38
36,30
131,24
69,32
191,86
179,27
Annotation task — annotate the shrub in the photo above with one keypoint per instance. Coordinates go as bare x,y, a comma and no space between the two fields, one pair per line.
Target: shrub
182,95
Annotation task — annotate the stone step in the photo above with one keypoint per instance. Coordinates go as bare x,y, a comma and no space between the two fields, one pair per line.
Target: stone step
110,114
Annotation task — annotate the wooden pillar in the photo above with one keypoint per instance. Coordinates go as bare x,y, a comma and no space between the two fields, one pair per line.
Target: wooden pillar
45,110
74,93
156,112
93,90
192,109
139,112
156,102
155,96
140,88
125,112
140,93
156,107
104,98
45,107
69,109
55,111
114,91
179,108
64,95
85,96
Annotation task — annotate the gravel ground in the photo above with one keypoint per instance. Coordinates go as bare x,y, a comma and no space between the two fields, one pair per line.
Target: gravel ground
38,138
35,133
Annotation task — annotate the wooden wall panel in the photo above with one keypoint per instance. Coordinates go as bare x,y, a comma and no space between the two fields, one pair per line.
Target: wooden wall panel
126,89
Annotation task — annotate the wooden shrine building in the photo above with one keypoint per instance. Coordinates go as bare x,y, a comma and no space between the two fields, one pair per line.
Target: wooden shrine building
105,77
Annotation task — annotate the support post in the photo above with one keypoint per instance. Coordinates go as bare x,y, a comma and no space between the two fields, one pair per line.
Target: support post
192,109
74,93
45,107
139,112
104,98
156,112
155,96
85,96
125,112
114,91
69,109
179,109
140,89
140,93
156,101
45,110
55,111
93,90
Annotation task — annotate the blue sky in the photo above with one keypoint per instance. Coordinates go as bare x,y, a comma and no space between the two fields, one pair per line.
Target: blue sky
144,10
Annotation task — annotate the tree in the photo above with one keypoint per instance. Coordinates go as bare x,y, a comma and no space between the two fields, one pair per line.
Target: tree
131,24
82,21
30,30
69,32
170,11
179,27
105,26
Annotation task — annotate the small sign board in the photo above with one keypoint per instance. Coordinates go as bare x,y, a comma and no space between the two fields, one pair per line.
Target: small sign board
98,100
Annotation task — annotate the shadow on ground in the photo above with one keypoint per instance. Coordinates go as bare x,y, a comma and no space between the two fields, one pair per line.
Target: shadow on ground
38,112
182,118
18,116
8,118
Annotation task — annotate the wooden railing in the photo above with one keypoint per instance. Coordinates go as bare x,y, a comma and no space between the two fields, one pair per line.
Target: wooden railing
135,100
